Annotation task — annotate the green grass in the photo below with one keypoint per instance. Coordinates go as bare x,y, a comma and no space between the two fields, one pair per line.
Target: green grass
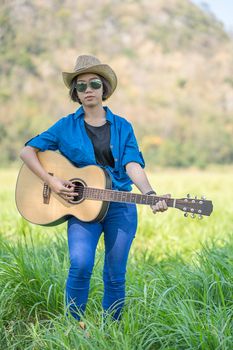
179,276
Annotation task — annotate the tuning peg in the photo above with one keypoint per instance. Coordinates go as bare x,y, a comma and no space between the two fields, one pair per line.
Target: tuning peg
193,216
203,197
200,217
186,215
188,195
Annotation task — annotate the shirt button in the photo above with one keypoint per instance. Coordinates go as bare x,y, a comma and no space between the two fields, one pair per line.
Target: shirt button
116,159
111,146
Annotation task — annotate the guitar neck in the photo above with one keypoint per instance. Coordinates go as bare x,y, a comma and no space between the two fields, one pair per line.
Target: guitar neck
187,205
125,197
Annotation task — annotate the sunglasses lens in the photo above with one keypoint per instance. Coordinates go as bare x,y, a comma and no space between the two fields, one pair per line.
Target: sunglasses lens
81,86
95,84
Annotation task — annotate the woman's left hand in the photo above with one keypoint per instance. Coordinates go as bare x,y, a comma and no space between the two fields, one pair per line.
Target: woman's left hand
160,205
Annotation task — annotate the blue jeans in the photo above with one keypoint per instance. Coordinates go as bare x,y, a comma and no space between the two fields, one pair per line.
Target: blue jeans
119,227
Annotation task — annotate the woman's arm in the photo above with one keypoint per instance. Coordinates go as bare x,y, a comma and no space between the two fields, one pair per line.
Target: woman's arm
29,157
139,178
61,187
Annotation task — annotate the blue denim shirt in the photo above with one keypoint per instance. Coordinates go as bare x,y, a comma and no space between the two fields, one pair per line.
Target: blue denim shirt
68,135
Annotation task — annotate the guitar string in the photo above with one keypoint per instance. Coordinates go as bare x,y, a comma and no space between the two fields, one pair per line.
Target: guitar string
83,188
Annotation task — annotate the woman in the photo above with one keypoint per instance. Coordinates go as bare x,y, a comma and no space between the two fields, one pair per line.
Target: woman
94,135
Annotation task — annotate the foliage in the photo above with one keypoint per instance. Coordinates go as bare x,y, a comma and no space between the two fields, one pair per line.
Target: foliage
179,277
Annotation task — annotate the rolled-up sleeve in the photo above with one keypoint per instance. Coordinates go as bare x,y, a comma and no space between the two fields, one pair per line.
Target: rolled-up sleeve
47,140
131,151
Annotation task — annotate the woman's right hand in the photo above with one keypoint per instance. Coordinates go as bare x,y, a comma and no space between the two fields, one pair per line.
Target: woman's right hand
63,188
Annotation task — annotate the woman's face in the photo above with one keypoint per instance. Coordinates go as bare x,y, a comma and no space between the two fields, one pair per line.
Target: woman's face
93,89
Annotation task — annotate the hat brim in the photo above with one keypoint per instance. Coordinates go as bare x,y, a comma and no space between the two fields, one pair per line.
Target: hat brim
101,69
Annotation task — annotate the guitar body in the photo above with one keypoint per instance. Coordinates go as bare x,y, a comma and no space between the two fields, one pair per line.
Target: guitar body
37,204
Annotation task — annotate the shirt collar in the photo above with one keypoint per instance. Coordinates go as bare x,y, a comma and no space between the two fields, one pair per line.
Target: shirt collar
80,113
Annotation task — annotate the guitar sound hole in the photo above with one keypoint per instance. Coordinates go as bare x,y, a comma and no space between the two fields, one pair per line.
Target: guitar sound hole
79,187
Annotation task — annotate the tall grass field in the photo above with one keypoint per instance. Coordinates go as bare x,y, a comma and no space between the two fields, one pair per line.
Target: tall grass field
179,276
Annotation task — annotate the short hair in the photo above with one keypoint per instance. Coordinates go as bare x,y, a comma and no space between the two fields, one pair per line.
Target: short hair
74,94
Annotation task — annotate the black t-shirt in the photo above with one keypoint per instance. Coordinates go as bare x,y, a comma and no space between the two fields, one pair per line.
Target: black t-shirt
100,137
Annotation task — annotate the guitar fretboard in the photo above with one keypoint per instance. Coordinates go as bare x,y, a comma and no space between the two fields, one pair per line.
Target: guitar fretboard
121,196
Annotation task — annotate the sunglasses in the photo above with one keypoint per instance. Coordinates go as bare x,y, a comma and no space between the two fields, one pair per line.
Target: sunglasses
95,84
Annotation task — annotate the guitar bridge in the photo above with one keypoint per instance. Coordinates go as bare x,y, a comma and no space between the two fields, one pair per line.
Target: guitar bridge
46,192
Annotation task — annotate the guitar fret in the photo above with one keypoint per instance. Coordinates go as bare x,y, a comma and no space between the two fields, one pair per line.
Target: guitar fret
133,197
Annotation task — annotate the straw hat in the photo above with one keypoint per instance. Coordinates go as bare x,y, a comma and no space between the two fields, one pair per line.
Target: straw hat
91,64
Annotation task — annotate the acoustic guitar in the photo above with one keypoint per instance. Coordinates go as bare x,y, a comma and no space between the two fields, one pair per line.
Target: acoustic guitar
39,205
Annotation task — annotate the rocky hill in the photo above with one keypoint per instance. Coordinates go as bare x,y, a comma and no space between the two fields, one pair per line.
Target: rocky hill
172,59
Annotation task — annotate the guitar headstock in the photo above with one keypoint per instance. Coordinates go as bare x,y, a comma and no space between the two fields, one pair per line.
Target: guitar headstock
195,206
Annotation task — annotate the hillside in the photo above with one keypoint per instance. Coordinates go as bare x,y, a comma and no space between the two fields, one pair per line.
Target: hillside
173,61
